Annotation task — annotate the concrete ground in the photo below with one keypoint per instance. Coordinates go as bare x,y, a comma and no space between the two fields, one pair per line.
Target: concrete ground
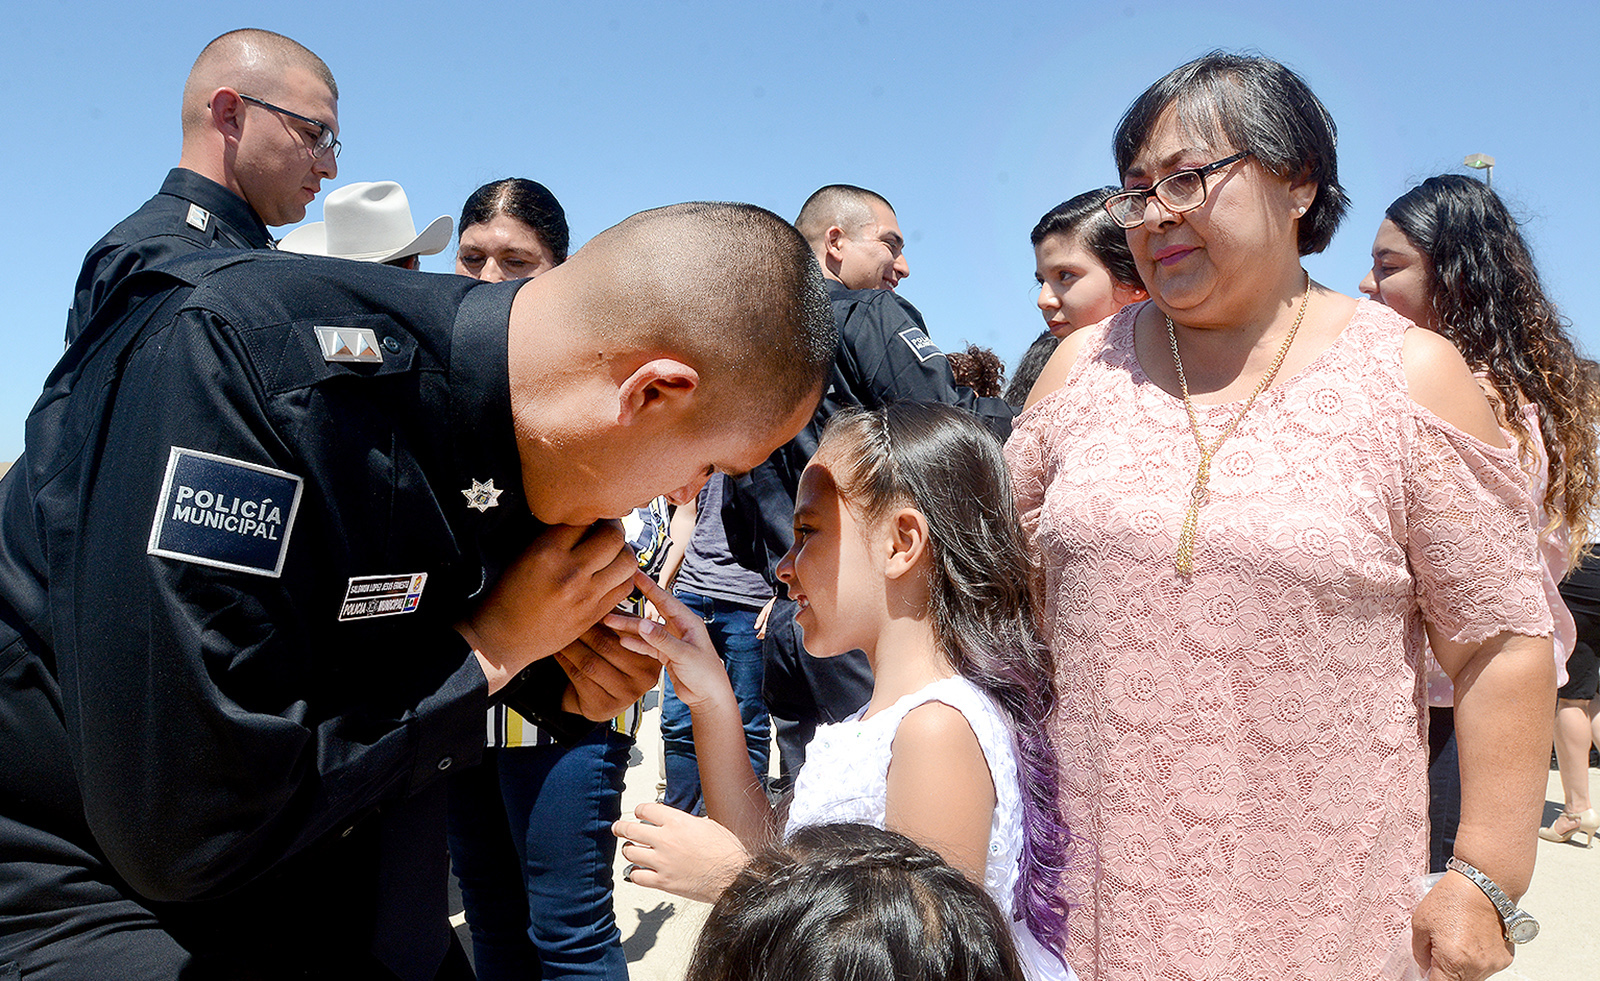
658,930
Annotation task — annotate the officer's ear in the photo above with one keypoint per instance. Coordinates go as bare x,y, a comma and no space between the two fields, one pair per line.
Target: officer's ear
833,242
227,113
657,389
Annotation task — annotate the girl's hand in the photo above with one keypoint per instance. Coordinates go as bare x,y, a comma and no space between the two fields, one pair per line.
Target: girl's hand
681,643
676,852
763,617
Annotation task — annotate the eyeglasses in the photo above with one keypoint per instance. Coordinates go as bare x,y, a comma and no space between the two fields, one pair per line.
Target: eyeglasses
325,138
1178,192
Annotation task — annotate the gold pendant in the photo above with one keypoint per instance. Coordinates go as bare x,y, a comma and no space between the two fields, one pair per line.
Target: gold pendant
1191,518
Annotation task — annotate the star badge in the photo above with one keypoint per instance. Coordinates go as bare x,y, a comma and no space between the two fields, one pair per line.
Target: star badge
482,495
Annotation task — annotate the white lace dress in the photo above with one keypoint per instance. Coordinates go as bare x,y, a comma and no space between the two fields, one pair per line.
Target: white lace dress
846,779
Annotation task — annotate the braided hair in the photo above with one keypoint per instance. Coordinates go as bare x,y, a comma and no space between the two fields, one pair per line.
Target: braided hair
942,461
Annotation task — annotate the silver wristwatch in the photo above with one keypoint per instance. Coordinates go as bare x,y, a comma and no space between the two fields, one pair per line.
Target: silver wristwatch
1518,926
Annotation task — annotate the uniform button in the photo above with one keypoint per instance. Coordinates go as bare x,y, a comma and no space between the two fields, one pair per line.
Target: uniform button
444,764
391,345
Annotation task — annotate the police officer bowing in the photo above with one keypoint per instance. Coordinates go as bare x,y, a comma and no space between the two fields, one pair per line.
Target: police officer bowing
284,530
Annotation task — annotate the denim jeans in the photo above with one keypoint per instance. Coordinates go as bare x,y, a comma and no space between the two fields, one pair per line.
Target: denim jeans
733,631
531,843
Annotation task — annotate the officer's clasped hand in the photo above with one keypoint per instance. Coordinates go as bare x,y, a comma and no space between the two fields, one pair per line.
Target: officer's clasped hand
561,585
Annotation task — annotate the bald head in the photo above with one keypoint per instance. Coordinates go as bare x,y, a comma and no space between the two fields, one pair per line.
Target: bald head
843,206
251,61
261,118
733,287
855,236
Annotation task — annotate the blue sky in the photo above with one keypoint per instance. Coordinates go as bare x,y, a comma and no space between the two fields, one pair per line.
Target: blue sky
974,119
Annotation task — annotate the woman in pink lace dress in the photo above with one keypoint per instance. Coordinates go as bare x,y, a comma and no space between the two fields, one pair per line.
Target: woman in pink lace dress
1253,498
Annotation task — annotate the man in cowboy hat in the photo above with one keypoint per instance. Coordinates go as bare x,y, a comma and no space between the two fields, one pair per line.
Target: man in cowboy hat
369,221
260,135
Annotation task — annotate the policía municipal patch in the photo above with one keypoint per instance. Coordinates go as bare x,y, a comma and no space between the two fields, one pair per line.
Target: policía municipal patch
226,513
920,344
382,596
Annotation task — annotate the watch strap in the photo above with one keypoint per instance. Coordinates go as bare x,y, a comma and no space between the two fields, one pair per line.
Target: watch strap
1502,903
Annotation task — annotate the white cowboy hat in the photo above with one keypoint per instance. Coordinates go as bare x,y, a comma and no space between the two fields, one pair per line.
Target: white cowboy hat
370,221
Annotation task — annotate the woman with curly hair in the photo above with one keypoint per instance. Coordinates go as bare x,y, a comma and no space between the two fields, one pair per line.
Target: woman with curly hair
1449,256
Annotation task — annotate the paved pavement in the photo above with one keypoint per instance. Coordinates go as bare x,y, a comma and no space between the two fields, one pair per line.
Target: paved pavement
1565,898
658,930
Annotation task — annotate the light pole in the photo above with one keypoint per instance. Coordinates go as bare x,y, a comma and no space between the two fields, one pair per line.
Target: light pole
1483,162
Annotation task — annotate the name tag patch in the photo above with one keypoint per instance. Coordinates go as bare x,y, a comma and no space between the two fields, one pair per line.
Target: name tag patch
920,344
226,513
382,596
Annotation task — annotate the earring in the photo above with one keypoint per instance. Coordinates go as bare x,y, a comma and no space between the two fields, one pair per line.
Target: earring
1300,212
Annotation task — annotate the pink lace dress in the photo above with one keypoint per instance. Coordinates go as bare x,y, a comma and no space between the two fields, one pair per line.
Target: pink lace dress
1552,562
1244,748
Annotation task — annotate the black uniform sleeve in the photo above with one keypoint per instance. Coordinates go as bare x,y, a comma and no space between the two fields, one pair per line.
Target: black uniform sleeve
536,693
220,715
107,265
887,356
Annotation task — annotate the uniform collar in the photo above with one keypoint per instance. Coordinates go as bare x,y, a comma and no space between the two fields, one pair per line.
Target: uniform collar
480,407
224,205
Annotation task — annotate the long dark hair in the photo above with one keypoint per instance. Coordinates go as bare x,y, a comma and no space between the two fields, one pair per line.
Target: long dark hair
530,202
1488,300
941,461
850,902
1085,216
1029,367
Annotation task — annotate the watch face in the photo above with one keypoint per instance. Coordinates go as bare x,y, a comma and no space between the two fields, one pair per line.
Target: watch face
1522,928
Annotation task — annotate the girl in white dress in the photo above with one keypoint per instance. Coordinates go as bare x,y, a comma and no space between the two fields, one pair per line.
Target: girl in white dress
908,547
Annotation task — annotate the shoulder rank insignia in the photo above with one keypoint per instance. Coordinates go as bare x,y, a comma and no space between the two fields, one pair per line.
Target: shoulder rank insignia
198,218
483,495
358,344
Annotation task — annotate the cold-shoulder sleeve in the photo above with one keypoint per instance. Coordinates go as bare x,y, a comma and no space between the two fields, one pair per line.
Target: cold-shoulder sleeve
1471,534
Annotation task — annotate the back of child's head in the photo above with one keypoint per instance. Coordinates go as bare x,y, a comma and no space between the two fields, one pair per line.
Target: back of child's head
977,368
850,902
941,461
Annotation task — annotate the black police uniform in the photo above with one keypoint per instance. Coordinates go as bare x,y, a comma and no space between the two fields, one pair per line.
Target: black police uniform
884,355
229,566
188,214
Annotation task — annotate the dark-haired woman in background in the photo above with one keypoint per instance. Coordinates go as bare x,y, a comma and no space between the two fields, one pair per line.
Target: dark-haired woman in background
511,229
1082,264
1029,366
1252,497
1449,256
530,828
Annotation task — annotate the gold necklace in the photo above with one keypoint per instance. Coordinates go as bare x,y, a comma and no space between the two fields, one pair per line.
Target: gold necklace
1202,477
